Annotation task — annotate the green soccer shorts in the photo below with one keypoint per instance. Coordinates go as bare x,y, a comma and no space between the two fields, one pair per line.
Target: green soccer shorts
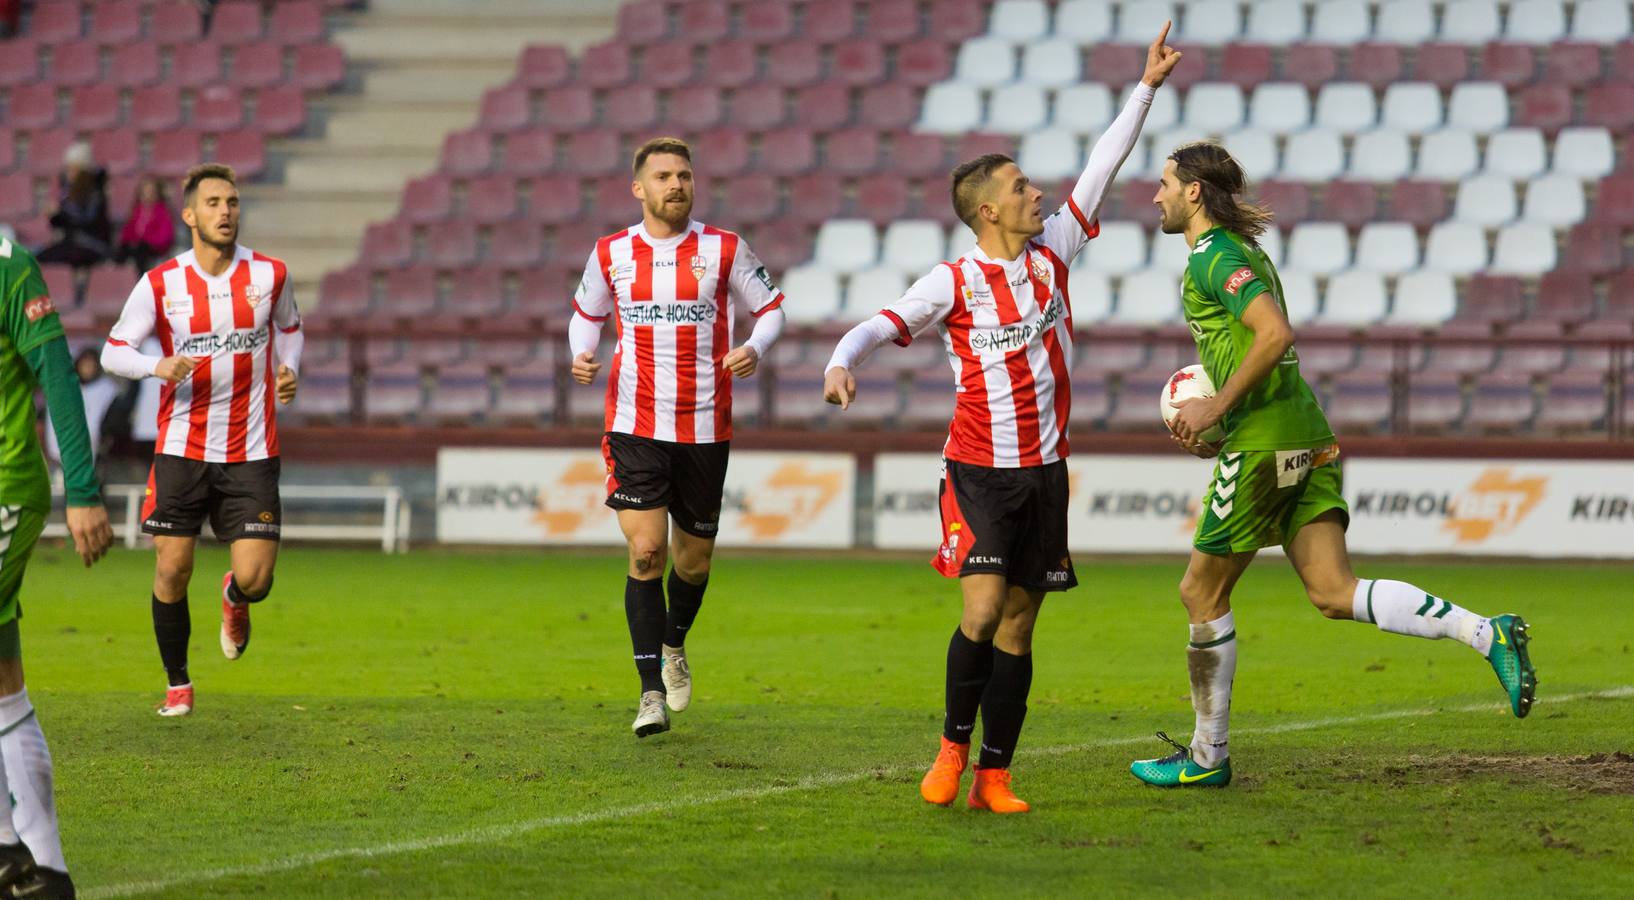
1261,498
19,530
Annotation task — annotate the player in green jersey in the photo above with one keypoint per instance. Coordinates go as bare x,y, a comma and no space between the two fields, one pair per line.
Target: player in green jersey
34,353
1277,481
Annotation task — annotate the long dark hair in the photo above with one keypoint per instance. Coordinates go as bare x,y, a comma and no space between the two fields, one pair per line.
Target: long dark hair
1222,179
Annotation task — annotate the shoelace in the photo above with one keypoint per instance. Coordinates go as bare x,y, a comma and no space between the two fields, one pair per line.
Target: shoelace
651,704
1182,752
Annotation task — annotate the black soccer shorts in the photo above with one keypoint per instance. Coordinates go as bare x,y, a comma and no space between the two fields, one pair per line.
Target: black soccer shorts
688,479
1010,522
240,498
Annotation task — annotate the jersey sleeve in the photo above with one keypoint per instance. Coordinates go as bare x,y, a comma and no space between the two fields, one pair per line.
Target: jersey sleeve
286,317
926,304
30,318
594,297
1221,270
1067,231
138,319
752,285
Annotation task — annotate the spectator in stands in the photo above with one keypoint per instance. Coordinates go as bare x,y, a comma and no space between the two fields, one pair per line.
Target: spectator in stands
81,214
150,230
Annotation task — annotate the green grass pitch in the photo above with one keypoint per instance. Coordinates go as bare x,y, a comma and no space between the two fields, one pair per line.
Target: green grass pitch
457,724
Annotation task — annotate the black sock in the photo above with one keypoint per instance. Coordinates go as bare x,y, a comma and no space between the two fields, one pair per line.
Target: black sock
238,595
172,627
1004,706
644,610
969,665
685,598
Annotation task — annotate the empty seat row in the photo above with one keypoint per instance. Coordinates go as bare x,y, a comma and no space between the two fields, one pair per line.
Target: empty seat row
113,22
702,21
146,63
280,109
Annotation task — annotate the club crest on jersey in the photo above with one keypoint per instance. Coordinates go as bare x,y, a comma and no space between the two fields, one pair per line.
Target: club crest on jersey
699,267
252,295
1041,269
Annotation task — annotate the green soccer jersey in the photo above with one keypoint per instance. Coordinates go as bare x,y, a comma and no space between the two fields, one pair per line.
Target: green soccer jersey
27,320
1223,274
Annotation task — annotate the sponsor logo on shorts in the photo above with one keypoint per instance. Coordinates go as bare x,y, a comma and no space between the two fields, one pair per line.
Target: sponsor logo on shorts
620,495
265,516
710,527
984,560
1293,466
1238,279
39,308
155,523
1057,577
261,528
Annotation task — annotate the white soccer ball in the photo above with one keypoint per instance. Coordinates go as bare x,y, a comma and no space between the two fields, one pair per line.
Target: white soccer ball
1190,382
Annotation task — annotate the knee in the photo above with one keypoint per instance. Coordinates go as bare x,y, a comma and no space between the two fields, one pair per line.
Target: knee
174,573
254,584
646,557
693,567
1334,601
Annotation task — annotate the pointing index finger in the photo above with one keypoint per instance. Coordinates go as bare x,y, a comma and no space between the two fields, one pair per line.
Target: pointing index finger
1163,35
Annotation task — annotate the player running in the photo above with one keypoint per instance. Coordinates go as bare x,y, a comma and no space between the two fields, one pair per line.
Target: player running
669,283
33,352
1004,316
231,336
1278,479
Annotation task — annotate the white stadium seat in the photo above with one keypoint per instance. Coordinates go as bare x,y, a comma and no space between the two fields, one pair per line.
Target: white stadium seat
951,108
1148,298
1017,109
1412,106
1535,22
1469,22
1139,21
1120,248
1052,63
817,287
1480,106
1346,107
1389,248
1313,156
1169,253
1485,200
1516,153
1271,243
959,241
1554,200
1524,248
1019,20
1084,21
1280,106
1275,22
1381,156
1256,151
985,62
1405,22
1423,298
871,289
1214,108
1584,152
1091,292
1603,21
1299,295
1051,155
1165,111
1354,298
1319,247
1339,23
1447,155
1212,22
913,245
1457,248
846,245
1084,108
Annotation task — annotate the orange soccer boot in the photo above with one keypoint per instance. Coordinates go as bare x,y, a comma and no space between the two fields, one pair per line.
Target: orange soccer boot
941,783
991,791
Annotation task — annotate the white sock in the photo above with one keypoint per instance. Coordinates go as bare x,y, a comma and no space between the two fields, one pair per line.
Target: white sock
1400,608
1211,658
28,774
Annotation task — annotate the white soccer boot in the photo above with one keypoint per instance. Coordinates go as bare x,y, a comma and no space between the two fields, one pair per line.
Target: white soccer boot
651,717
677,677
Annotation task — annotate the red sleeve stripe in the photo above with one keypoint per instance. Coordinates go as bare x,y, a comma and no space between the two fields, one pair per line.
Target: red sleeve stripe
904,338
291,329
117,342
776,302
587,315
1091,230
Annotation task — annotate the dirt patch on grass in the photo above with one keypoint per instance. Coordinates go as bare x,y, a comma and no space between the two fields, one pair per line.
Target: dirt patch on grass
1597,773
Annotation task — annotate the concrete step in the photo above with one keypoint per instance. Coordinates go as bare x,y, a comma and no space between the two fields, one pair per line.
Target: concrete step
397,129
429,84
379,172
332,217
461,39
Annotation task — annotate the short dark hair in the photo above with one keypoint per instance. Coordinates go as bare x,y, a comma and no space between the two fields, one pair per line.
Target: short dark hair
1222,179
660,145
200,172
968,181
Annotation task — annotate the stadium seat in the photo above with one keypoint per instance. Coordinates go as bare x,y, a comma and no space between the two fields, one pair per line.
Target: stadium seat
1275,22
846,245
606,65
1019,20
1339,23
542,67
135,65
1256,151
631,108
794,64
1524,248
1145,298
1289,200
643,23
957,20
767,22
1479,106
174,152
76,64
1585,153
1574,65
1505,401
1447,155
198,68
985,62
1614,202
1311,65
1610,106
1083,108
427,199
218,108
520,245
450,245
1358,402
882,199
527,394
8,150
387,245
1214,108
1511,65
1470,22
1319,247
113,23
566,108
1347,108
177,24
1316,155
593,153
1405,22
56,23
1085,22
1017,109
16,197
789,151
1389,248
280,110
393,392
1516,153
344,292
694,108
1600,21
855,151
1435,402
1490,298
1574,402
1245,65
951,109
1593,250
758,107
703,22
32,107
94,107
817,289
858,63
1353,299
1485,200
834,22
236,22
913,245
1545,106
257,65
507,108
872,289
668,65
1052,63
1051,154
460,394
1423,299
753,198
1414,107
1139,23
1350,203
296,22
1120,249
923,63
245,151
467,153
1535,21
1564,298
1280,107
1554,200
1382,156
1211,23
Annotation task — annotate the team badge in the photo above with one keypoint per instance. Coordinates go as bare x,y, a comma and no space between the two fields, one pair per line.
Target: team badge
1041,269
699,267
252,295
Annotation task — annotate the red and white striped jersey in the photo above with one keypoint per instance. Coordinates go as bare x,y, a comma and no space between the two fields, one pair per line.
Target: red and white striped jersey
225,410
1007,326
671,302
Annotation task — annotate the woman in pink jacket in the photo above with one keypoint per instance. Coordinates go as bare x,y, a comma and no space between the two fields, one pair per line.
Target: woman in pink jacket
150,230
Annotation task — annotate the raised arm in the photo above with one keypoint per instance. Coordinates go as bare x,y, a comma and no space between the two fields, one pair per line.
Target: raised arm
1114,145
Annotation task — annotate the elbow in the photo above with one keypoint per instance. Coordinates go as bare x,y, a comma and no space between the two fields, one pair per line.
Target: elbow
1284,339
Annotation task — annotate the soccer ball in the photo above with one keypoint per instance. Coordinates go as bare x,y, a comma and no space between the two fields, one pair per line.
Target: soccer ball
1192,381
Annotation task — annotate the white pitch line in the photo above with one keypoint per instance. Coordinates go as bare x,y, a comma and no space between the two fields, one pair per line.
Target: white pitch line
494,833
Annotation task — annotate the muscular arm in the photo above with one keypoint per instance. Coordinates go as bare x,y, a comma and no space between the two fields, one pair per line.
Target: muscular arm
1272,338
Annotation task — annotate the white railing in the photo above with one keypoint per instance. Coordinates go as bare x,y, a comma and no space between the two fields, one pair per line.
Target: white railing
392,532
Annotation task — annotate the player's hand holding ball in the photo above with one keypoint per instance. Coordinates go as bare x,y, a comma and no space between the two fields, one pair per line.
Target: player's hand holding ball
585,367
839,388
1190,409
174,368
742,362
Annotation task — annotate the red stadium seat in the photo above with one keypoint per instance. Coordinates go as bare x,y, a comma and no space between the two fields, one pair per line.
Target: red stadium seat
1575,401
319,67
611,204
1351,203
852,152
643,22
245,151
1610,105
732,64
823,107
118,151
1290,199
386,245
109,288
1593,250
923,63
815,198
257,65
592,153
889,107
411,292
1200,70
469,152
1115,64
633,107
1245,65
703,21
1492,298
1442,65
759,107
980,144
1375,64
506,108
1620,298
916,155
529,153
721,153
280,110
1572,64
858,63
830,22
1311,65
668,65
20,64
344,292
477,293
695,107
782,245
881,199
492,199
156,108
606,65
8,149
752,199
516,246
1511,65
32,106
1622,62
794,64
94,107
56,23
1564,297
767,21
16,197
175,23
114,23
45,151
544,66
1506,402
568,108
135,65
957,20
297,21
236,22
790,151
427,199
893,21
450,245
1614,202
555,200
175,151
1421,204
195,66
1545,106
76,64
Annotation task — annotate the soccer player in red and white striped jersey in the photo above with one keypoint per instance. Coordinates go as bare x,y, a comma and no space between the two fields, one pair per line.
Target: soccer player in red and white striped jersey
669,285
1004,315
226,319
